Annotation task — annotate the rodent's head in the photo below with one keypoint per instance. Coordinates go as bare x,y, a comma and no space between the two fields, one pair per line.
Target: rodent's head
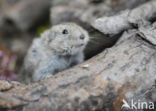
66,39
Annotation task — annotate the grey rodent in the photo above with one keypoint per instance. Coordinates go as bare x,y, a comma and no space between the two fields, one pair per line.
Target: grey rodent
57,49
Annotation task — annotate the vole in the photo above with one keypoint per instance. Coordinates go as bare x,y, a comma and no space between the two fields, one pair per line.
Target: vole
58,48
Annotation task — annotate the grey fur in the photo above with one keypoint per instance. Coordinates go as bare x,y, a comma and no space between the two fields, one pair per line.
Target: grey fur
55,51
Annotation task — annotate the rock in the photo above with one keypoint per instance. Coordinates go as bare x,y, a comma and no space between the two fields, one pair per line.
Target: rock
87,10
148,33
21,16
125,20
4,85
70,10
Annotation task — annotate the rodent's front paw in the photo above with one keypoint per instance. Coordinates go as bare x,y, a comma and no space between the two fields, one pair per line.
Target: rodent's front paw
41,76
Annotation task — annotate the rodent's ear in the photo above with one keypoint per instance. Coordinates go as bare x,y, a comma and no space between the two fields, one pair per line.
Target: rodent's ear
48,36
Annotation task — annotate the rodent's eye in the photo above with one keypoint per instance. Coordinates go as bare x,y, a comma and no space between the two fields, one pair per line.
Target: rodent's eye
65,31
82,37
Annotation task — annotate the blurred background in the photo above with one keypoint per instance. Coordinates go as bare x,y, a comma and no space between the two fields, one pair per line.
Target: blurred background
23,20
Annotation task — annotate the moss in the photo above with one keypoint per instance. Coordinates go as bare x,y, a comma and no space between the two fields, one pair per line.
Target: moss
95,34
42,28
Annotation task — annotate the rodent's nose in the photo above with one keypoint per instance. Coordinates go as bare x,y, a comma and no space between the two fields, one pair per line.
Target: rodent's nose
82,37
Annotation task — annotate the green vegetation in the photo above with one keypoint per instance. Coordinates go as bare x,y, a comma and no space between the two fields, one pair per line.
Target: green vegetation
42,28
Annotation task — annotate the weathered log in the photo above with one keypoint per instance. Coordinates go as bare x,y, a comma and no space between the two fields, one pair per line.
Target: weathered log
26,14
122,72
